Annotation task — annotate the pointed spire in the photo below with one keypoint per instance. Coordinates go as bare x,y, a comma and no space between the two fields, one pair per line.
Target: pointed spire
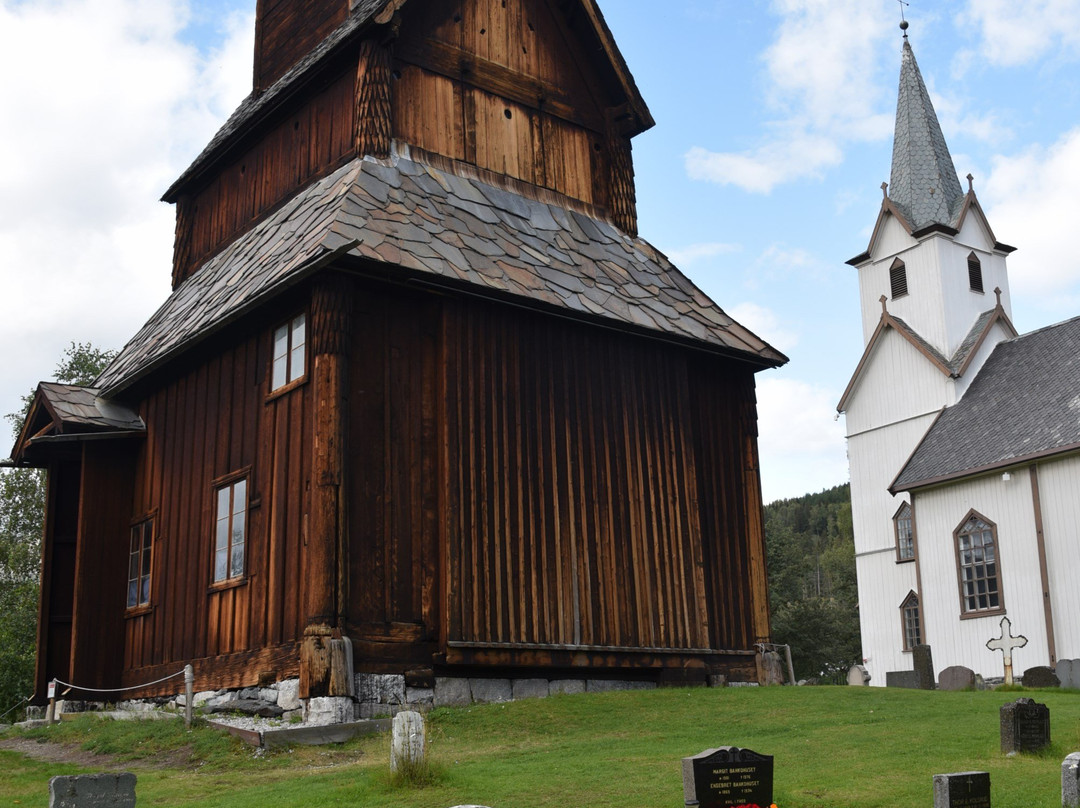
923,184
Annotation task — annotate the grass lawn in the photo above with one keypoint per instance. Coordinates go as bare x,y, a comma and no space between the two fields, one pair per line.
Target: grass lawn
834,747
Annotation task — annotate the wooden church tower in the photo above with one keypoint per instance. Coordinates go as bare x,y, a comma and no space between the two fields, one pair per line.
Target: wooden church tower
420,401
934,294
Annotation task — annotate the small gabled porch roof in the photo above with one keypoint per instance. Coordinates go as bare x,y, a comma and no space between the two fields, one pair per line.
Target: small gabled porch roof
61,413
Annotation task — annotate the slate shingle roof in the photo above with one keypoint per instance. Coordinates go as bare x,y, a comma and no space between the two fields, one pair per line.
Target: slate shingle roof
78,409
453,229
1024,403
923,182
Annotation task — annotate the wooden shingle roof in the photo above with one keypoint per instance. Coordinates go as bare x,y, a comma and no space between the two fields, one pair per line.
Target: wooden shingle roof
408,217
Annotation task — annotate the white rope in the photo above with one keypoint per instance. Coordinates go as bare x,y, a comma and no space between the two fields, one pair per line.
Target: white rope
118,689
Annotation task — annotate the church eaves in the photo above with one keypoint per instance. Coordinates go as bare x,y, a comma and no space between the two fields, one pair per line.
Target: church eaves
923,184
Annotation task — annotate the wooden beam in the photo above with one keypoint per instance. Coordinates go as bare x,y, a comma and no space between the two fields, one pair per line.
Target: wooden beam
460,65
373,106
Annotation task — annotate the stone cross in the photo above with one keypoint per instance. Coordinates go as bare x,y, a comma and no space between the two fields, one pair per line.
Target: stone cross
1005,643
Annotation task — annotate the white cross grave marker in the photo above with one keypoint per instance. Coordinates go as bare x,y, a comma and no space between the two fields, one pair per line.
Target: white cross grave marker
1005,643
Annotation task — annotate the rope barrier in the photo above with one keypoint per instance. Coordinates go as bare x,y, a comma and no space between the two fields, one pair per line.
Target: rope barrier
118,689
16,707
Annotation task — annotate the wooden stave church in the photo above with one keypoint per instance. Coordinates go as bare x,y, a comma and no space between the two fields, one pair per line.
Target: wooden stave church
469,163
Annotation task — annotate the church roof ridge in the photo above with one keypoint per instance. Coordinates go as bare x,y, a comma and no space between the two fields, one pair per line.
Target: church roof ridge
923,183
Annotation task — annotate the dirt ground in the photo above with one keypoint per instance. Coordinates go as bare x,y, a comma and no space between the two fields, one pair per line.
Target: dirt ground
72,753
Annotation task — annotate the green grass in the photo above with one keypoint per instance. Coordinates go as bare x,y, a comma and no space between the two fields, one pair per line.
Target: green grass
833,748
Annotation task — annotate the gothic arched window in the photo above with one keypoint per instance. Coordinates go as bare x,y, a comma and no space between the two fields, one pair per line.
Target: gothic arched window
898,279
977,566
904,528
975,278
911,619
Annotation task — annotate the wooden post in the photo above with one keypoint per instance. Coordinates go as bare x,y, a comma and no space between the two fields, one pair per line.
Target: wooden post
323,666
189,694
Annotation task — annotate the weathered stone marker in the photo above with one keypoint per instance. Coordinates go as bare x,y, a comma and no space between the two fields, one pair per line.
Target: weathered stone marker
1070,781
407,747
956,677
1068,671
93,791
1041,676
1025,726
923,661
727,777
962,790
858,676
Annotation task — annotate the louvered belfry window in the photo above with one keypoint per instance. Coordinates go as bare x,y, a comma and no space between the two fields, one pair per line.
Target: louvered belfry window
898,279
975,279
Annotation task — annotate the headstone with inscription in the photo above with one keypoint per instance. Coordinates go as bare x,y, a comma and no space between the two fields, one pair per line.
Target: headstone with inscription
962,790
1025,726
728,777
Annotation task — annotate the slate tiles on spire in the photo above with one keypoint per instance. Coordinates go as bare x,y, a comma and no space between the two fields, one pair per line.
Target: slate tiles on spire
420,221
923,183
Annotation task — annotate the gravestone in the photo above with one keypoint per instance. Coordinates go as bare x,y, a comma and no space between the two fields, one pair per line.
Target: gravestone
858,676
727,777
906,679
93,791
1041,676
956,677
962,790
1070,781
923,662
409,741
1068,671
1025,726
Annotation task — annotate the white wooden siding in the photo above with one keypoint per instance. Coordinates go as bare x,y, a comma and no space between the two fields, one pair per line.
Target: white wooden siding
1059,490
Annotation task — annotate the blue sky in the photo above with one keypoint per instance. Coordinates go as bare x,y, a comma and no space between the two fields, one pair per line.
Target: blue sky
760,179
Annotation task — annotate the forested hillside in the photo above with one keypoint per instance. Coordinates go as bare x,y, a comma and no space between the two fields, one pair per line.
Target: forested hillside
813,598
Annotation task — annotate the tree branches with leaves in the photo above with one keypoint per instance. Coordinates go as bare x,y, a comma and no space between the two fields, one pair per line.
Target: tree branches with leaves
22,514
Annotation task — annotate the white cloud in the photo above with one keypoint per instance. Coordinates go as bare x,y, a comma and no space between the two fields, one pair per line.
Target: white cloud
1031,202
1016,33
801,442
765,324
823,81
104,106
692,253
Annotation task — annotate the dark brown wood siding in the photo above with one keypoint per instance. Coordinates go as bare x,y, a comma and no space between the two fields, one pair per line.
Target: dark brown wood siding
393,556
584,499
285,30
210,420
298,149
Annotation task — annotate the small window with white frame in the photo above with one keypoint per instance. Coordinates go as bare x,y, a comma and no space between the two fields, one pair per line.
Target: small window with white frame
911,620
290,352
904,530
230,529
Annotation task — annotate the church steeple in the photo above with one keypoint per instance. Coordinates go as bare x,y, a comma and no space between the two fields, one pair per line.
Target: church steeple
923,184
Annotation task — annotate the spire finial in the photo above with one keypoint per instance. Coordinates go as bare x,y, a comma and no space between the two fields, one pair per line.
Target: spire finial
884,309
903,22
971,183
997,294
885,189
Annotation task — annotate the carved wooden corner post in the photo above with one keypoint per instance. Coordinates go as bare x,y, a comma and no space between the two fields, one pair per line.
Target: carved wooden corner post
325,654
373,104
622,196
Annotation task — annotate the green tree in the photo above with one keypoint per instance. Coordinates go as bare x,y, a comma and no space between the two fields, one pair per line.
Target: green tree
22,513
813,596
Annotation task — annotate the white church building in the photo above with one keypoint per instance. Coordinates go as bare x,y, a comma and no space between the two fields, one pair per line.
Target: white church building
963,437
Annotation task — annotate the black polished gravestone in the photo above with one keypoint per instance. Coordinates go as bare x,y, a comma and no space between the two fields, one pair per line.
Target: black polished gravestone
728,777
1025,726
962,790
